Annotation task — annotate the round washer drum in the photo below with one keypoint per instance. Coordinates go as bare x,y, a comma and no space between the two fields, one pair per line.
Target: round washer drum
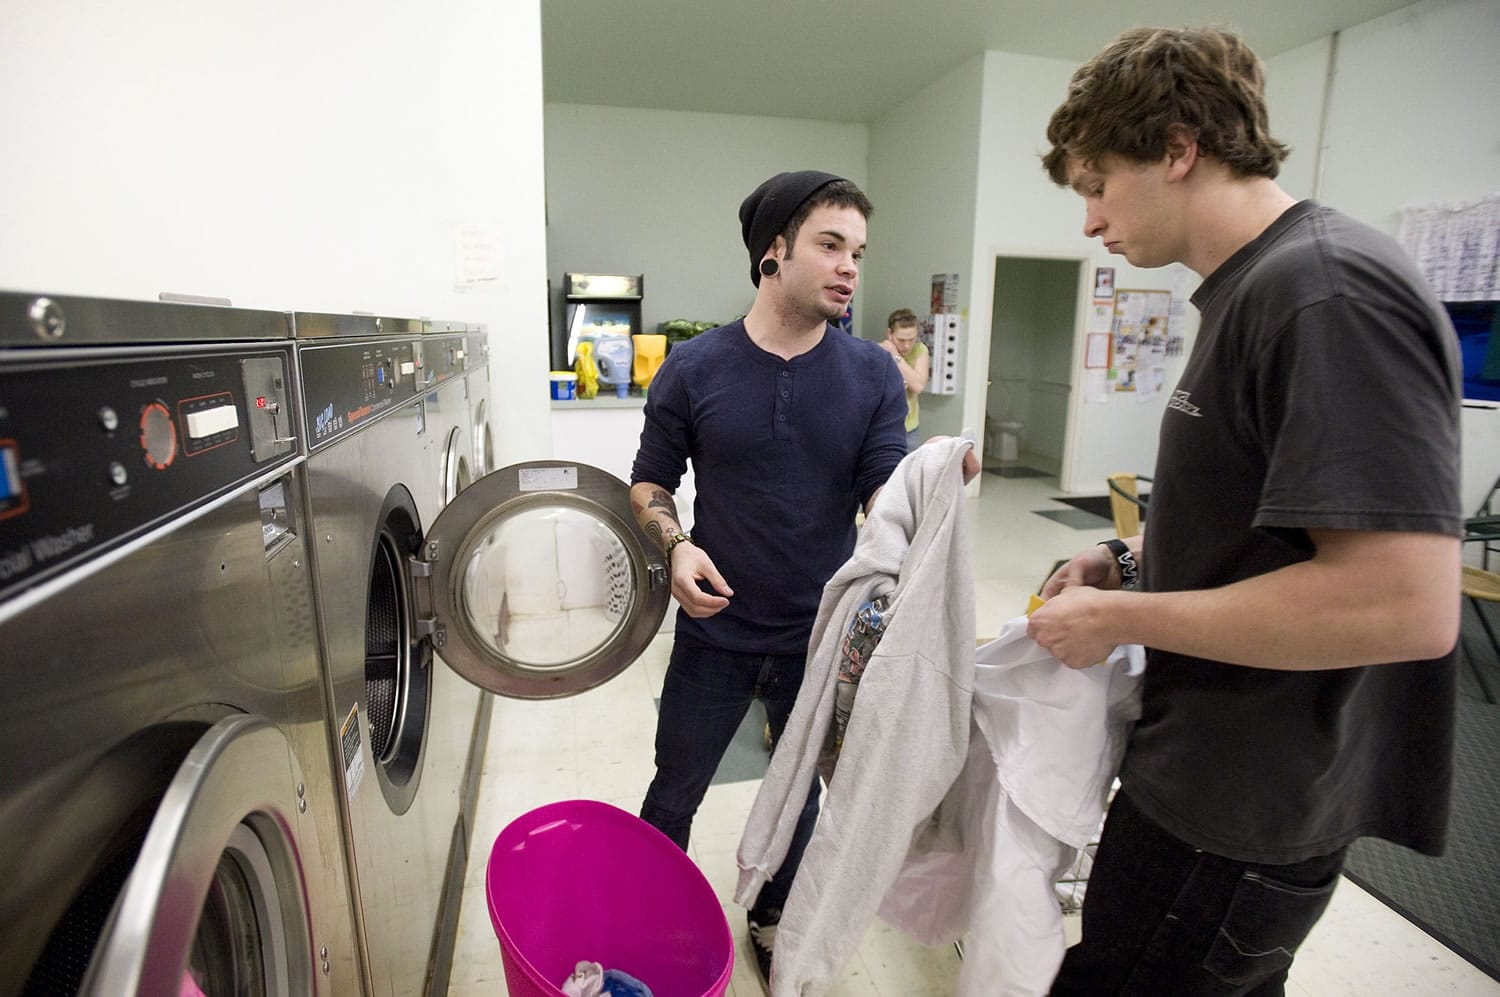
536,582
398,666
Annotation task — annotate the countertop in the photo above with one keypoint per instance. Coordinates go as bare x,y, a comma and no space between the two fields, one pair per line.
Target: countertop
601,401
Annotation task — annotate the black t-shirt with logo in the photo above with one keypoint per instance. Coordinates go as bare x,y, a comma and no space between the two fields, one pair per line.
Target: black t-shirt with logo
1322,393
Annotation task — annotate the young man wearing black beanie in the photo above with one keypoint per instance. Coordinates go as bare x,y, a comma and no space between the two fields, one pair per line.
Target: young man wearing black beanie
790,427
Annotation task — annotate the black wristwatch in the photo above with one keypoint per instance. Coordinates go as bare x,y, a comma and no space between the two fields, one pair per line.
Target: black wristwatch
1129,570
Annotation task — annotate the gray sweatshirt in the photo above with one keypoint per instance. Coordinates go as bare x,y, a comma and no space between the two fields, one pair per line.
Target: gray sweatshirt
907,737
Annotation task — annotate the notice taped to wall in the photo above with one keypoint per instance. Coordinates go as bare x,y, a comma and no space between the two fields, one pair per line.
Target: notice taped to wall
1139,348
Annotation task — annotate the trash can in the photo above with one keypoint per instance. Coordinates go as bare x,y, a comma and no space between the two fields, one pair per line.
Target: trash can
1010,440
583,880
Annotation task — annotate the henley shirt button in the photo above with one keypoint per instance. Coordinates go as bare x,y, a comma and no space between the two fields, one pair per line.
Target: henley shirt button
786,394
781,417
786,373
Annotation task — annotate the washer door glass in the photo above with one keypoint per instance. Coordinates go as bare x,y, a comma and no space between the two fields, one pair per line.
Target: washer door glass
215,902
536,582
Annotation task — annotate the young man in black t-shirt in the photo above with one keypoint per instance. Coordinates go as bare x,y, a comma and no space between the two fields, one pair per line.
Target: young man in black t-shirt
1299,580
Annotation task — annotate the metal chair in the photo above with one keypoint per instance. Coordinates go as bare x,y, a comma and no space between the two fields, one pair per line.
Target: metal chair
1480,585
1484,526
1126,503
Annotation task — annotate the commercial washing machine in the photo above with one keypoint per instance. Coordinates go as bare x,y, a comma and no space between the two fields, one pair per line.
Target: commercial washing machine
446,349
479,400
532,582
450,434
389,444
169,809
477,386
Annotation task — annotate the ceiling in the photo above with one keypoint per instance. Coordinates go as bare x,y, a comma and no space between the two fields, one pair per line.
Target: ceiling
853,60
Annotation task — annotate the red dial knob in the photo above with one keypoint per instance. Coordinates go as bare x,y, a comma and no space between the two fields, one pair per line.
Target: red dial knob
158,436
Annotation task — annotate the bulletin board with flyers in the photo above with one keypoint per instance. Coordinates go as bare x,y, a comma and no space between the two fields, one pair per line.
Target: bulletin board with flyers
1139,343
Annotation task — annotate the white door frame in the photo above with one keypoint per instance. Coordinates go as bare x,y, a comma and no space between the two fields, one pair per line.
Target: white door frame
977,356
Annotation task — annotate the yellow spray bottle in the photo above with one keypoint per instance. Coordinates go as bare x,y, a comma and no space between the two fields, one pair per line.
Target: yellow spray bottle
587,370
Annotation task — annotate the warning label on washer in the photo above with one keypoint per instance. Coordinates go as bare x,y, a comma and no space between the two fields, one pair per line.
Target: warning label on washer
354,760
548,479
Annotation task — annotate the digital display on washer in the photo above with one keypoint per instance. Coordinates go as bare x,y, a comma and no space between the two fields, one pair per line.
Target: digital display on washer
347,384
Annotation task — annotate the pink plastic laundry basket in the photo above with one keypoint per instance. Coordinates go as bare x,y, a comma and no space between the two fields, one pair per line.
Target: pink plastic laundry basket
584,880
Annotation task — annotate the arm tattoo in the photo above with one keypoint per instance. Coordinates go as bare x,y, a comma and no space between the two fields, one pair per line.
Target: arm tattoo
653,531
661,499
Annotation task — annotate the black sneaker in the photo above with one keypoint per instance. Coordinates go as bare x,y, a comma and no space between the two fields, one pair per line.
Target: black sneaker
762,942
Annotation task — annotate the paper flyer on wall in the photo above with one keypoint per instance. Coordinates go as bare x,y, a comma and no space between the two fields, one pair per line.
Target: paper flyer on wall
944,298
1140,339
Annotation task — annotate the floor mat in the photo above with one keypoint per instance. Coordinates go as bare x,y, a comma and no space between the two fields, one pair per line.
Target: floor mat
746,757
1097,504
1079,519
1018,471
1456,898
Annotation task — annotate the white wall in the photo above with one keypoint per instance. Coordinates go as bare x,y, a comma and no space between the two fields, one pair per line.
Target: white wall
1021,213
1413,116
923,163
658,193
1412,119
287,156
1295,83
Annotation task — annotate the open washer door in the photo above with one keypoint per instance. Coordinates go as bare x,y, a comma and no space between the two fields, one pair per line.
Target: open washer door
536,583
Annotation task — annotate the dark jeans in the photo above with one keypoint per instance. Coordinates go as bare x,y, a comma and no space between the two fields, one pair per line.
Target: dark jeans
704,698
1161,917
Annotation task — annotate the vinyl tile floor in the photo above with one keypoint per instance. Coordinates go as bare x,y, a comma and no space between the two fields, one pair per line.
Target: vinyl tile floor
599,746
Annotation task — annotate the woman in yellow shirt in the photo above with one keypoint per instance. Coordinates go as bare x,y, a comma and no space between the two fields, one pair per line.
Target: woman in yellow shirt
912,359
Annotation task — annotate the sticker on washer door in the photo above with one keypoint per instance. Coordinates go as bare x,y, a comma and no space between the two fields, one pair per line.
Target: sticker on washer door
354,759
548,479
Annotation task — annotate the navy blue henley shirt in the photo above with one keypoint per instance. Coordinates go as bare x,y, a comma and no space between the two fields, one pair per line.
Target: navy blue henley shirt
784,453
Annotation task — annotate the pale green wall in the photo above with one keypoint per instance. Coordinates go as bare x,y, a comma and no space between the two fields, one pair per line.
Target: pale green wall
1031,352
653,192
956,181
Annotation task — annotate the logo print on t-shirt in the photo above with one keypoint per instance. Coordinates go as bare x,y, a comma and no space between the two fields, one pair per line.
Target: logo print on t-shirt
1180,403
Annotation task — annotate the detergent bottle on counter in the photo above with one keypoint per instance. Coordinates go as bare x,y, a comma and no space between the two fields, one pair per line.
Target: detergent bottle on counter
587,370
614,356
650,351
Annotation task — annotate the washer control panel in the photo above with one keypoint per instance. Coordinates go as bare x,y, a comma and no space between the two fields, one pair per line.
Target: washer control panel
346,385
100,445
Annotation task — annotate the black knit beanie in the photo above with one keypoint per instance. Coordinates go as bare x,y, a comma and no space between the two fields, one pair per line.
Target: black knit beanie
770,206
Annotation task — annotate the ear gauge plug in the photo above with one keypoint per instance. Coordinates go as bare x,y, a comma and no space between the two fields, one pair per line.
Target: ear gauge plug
768,268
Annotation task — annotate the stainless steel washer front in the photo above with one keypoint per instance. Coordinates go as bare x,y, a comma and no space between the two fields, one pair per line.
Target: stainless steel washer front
382,400
170,807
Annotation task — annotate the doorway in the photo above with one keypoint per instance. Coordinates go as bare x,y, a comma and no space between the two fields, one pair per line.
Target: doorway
1028,397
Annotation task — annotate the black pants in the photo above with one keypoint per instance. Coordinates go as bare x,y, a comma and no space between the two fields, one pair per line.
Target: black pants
1161,917
704,696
